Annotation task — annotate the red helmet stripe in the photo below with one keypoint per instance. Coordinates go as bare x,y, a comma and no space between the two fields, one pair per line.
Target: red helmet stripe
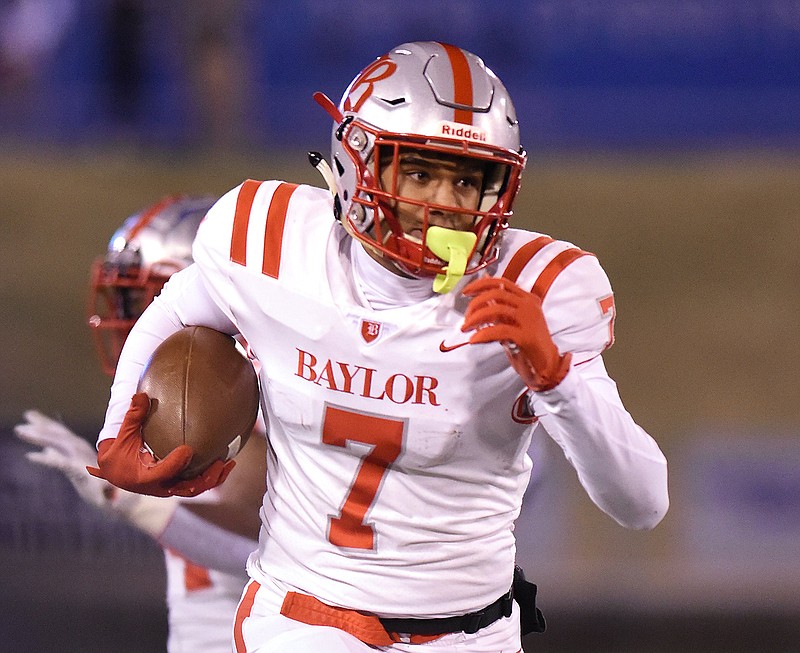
462,82
241,219
554,268
150,213
273,237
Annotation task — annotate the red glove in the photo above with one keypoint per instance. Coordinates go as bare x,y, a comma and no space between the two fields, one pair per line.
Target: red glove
126,463
501,311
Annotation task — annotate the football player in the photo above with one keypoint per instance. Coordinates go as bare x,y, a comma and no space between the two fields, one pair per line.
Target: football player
410,343
205,562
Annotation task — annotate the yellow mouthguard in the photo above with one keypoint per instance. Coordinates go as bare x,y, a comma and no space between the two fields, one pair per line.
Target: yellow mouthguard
451,246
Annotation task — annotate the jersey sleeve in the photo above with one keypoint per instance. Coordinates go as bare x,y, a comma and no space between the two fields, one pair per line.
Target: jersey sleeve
182,302
579,309
242,235
576,295
212,247
618,463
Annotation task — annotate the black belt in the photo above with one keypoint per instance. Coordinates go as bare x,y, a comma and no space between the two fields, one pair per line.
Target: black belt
468,623
531,618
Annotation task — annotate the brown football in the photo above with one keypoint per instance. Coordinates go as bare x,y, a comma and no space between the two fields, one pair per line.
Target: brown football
203,392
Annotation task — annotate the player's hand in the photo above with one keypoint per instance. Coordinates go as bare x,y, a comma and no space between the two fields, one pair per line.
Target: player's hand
500,311
126,463
67,452
71,454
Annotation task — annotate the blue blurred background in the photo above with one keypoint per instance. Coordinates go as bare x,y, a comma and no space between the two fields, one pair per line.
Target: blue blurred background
617,74
663,136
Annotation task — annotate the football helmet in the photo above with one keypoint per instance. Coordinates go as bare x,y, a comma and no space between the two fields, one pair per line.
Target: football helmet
143,253
440,100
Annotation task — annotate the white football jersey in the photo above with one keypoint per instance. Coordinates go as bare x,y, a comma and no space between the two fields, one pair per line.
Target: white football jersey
398,454
201,605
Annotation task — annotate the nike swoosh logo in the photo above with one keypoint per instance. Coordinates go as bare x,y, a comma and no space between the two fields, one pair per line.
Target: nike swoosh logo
445,348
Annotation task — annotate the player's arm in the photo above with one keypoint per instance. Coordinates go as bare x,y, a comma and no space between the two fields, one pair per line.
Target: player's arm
618,463
121,458
185,300
172,523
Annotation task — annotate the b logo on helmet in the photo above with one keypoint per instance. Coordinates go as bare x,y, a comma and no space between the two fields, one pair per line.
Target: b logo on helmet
378,70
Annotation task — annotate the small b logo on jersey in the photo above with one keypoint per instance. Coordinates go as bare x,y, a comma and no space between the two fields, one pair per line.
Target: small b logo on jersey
370,330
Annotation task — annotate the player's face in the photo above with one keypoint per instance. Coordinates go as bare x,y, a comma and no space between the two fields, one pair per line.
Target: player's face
438,179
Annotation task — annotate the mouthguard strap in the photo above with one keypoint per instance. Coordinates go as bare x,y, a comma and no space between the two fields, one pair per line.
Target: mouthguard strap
454,247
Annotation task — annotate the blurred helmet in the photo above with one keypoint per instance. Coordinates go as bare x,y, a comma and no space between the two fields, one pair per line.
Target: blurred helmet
143,253
438,99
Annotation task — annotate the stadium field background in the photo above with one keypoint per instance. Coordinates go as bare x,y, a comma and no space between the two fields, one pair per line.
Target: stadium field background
663,137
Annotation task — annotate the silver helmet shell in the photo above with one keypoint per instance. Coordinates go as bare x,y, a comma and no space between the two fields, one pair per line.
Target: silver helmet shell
142,254
434,97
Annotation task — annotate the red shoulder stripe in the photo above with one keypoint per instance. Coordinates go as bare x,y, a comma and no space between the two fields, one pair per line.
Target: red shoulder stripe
241,219
276,219
523,256
554,268
462,82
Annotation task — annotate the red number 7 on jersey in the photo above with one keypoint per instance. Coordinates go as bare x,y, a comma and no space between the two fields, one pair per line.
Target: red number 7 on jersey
386,437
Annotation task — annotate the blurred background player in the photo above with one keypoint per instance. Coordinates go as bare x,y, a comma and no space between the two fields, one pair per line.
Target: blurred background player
205,562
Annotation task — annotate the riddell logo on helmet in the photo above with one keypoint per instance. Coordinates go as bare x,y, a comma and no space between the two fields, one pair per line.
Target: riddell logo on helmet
457,130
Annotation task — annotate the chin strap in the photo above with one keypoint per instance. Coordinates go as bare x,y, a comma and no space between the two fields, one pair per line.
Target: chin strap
454,247
322,166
